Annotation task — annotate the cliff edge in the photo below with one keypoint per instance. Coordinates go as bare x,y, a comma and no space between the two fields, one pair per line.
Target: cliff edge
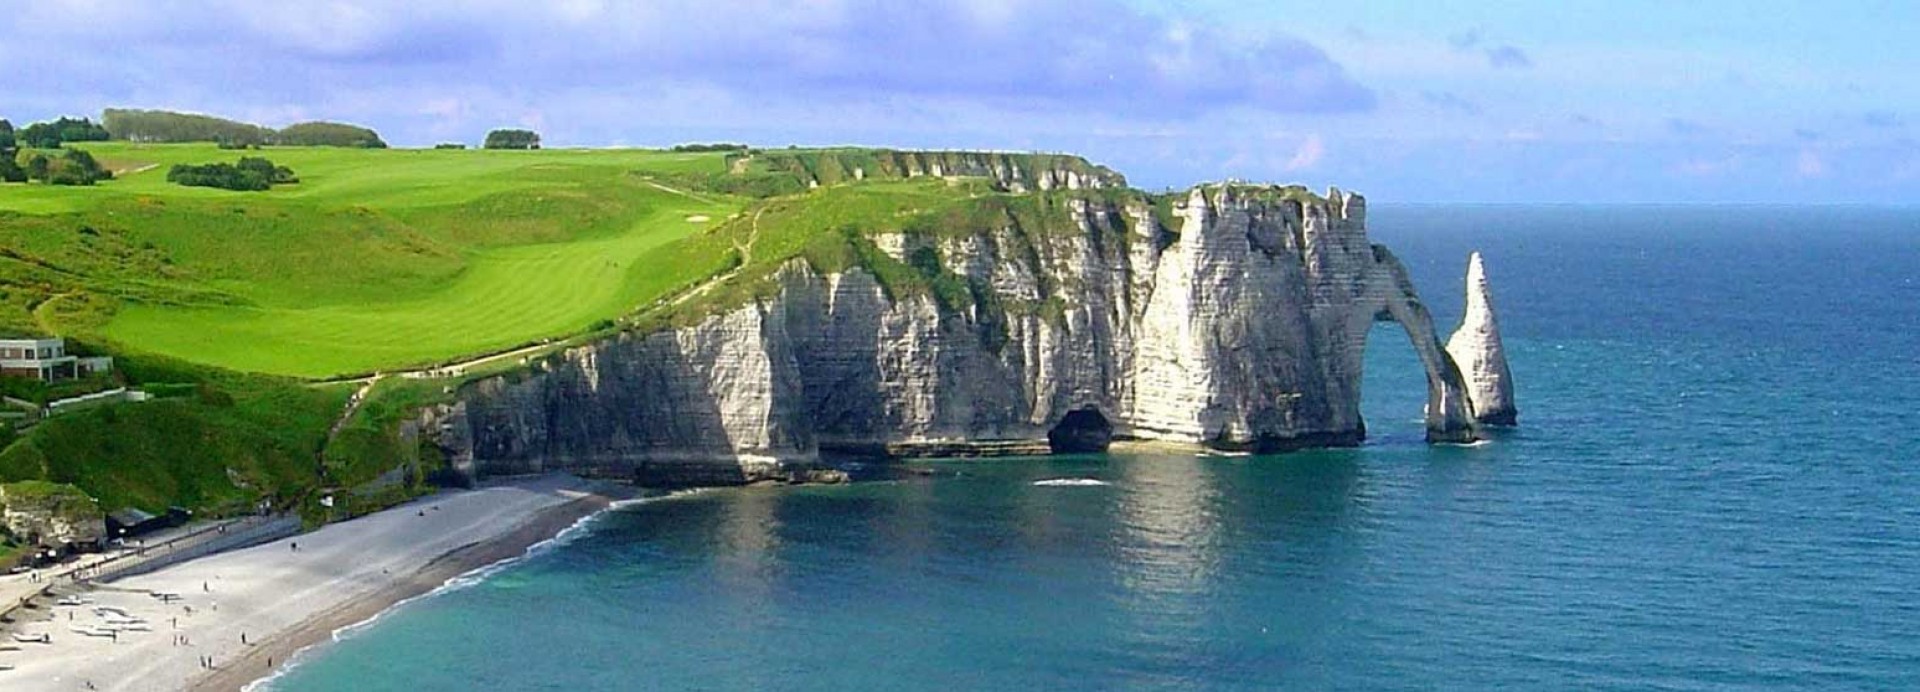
1233,317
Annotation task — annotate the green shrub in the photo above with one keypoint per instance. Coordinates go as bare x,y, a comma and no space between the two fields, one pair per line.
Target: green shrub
251,174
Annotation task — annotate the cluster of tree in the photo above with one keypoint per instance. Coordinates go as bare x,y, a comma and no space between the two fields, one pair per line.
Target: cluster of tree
49,135
716,146
168,126
9,156
512,139
75,167
325,134
449,145
251,174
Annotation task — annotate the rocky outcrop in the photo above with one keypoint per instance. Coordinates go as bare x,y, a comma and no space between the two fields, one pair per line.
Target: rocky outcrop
51,515
1482,358
1235,318
1012,172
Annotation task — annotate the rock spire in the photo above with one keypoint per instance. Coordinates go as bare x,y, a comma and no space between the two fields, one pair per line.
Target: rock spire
1476,348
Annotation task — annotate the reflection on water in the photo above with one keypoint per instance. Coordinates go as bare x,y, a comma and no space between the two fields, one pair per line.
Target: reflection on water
1167,509
747,543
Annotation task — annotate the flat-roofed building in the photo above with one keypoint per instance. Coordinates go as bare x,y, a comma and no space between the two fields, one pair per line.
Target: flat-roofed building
46,360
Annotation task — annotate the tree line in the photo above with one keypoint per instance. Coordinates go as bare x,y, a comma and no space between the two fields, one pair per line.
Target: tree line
168,126
50,135
709,147
71,167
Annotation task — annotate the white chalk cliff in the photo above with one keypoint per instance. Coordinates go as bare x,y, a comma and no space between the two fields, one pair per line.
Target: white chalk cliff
1476,348
1237,323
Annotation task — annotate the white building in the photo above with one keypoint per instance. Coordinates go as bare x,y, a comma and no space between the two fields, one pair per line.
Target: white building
46,360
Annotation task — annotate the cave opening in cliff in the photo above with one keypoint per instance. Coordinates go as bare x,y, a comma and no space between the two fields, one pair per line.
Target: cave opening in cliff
1081,431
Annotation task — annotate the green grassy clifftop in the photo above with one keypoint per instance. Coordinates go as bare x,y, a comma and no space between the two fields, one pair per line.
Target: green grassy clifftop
237,303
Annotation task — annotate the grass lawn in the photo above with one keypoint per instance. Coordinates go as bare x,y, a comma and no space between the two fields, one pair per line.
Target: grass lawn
377,259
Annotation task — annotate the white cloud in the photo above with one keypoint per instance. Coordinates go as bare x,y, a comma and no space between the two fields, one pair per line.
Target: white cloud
1311,150
1810,164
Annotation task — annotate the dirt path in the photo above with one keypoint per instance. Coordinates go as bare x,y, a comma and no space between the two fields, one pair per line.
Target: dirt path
746,257
41,319
459,368
682,193
445,370
353,405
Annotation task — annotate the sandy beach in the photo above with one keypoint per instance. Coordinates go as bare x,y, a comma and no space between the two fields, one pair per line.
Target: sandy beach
278,598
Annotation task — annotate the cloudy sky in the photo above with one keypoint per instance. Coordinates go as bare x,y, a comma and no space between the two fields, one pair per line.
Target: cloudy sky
1573,100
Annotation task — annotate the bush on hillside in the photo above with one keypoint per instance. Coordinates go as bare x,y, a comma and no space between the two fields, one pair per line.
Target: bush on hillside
75,167
449,145
10,171
513,139
50,135
251,174
324,134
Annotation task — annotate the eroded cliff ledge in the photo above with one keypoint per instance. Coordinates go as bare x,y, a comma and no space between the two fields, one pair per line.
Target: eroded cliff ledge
1234,318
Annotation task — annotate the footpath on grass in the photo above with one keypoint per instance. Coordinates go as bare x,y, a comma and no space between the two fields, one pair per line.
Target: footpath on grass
460,368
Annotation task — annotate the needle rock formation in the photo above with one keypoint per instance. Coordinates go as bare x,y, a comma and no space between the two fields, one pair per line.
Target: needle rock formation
1476,348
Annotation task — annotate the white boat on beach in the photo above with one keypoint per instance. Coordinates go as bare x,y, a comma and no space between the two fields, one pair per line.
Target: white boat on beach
73,601
111,610
25,638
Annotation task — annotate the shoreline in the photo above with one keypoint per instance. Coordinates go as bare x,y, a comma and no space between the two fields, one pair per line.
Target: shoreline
214,622
316,632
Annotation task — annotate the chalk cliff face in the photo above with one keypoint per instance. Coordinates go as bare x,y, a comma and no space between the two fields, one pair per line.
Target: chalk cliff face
1238,325
1482,358
50,515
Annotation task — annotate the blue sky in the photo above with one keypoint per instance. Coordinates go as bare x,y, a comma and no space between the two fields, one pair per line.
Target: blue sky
1574,101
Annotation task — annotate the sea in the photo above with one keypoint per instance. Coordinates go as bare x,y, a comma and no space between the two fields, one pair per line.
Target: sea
1715,485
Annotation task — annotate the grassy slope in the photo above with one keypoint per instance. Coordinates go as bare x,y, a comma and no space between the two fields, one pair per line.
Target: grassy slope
377,259
386,258
227,440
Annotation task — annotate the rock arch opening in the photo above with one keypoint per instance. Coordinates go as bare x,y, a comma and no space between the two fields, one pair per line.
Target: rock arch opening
1081,431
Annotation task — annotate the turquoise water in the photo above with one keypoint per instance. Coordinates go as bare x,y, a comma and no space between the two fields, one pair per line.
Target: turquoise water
1715,487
